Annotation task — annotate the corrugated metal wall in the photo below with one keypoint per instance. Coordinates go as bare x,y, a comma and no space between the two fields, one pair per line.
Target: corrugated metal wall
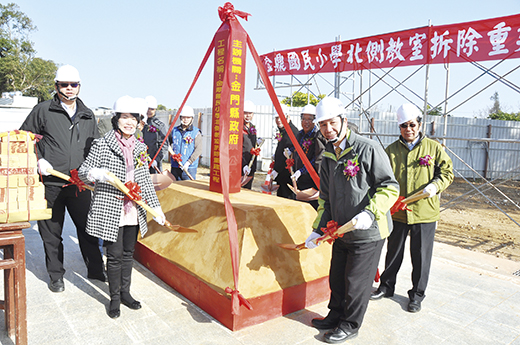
503,159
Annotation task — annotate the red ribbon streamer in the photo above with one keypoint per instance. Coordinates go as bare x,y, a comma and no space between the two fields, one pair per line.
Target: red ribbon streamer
255,151
399,206
289,163
237,298
75,180
228,13
133,194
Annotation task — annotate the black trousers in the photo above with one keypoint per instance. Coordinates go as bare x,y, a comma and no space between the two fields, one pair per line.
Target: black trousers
421,249
77,204
352,271
120,260
284,191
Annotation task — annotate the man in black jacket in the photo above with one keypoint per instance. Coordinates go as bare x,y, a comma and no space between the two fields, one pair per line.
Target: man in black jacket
68,128
154,133
280,174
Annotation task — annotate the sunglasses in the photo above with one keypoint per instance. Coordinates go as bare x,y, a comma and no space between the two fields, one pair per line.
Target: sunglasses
406,125
74,85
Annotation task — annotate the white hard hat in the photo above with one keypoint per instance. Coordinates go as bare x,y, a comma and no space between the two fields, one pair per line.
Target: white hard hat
329,108
151,102
142,106
187,111
407,112
249,107
67,73
285,110
126,104
309,109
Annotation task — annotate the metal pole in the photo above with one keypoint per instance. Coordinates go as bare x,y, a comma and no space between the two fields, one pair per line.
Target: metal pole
446,103
425,108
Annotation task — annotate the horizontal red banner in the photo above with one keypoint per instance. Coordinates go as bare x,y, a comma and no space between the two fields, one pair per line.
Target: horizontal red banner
489,39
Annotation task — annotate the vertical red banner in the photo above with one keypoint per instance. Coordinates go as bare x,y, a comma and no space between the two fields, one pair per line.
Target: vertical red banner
228,104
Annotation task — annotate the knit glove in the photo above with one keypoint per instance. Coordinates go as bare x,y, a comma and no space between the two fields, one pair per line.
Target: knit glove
98,175
274,174
161,218
431,190
363,220
296,175
246,169
43,165
309,241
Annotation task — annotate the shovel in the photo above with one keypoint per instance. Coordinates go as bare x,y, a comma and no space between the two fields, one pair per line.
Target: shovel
246,178
342,230
170,150
66,178
123,188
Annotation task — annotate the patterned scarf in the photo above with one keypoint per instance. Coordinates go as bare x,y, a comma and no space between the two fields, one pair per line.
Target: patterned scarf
127,146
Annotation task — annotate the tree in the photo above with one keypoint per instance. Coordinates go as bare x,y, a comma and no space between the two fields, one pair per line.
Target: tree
496,113
299,99
20,70
161,107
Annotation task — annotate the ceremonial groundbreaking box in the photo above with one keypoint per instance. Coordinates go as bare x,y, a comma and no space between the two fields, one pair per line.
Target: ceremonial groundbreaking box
274,280
22,195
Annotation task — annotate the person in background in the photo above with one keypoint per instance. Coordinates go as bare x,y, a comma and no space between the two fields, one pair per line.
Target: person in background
356,183
114,217
419,163
279,173
187,140
313,144
249,142
154,133
68,129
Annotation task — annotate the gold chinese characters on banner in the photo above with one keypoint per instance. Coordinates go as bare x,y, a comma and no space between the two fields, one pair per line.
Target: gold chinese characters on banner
22,195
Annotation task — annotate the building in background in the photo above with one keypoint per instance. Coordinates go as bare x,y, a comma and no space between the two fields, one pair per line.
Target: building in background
14,108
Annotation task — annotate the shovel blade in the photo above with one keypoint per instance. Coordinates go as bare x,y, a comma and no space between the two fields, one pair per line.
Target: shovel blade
245,180
291,246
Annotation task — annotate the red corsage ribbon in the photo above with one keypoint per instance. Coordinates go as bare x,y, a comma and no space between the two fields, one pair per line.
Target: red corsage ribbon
134,191
399,206
177,157
228,12
331,231
237,300
255,151
74,179
289,163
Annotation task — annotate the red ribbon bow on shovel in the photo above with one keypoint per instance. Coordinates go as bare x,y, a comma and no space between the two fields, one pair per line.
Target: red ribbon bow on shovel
290,163
74,179
134,191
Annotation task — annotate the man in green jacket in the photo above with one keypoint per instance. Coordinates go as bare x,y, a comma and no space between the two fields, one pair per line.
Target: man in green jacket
419,164
356,182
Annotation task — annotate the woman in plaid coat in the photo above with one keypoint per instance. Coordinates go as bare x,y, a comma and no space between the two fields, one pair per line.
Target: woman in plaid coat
114,217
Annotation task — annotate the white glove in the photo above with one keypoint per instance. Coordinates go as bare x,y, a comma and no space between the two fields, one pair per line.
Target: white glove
309,241
431,190
246,169
364,221
161,218
43,165
296,175
186,166
98,175
274,173
154,164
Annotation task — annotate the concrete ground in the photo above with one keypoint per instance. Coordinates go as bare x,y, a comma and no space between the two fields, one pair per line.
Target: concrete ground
472,298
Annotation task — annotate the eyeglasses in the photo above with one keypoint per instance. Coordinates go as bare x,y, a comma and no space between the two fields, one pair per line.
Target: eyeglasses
406,125
74,85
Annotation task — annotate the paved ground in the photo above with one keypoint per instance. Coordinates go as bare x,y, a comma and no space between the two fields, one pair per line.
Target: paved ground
472,298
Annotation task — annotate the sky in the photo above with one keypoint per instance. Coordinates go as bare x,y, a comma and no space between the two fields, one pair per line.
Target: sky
155,47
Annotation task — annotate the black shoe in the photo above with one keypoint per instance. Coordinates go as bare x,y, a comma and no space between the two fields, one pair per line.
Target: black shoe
326,323
114,314
378,294
132,305
339,335
57,285
102,277
414,306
